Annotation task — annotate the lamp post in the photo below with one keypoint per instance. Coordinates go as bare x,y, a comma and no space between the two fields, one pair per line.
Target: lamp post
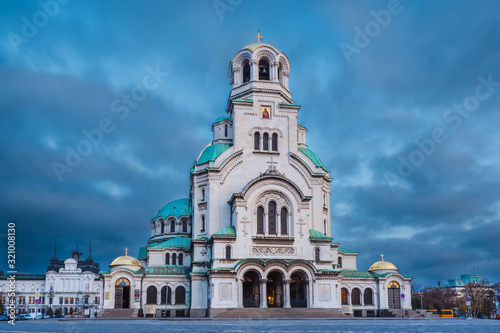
51,299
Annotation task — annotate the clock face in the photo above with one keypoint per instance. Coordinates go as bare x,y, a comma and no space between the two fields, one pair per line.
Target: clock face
265,112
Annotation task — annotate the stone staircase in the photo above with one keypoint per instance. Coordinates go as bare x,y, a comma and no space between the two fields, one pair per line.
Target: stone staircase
118,313
270,313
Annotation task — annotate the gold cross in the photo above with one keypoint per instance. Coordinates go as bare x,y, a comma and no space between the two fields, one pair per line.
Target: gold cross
258,36
126,251
382,256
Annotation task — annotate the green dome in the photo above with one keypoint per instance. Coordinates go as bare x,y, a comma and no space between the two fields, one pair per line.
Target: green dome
210,153
313,157
178,242
176,208
222,119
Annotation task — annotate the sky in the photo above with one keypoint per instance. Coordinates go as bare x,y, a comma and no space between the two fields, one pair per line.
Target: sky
401,101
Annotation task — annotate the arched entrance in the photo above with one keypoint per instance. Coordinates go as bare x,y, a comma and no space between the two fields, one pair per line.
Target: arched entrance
394,295
298,290
275,292
251,290
122,294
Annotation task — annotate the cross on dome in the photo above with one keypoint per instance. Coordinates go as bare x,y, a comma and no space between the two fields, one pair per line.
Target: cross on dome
382,256
126,251
258,36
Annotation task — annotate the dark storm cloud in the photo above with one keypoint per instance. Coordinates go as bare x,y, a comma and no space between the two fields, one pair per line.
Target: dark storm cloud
363,116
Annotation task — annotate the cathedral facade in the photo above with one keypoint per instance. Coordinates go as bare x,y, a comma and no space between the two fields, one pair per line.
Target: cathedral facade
255,231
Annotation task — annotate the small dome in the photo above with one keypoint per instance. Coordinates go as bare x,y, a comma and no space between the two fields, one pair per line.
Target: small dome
125,261
176,208
253,46
383,266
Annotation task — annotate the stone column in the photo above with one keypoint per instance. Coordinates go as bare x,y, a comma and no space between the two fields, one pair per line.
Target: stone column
263,292
287,293
240,292
254,70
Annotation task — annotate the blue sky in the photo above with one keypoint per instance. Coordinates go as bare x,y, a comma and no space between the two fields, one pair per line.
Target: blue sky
401,102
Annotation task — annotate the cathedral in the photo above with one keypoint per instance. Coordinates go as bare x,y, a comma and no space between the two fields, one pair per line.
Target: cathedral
255,231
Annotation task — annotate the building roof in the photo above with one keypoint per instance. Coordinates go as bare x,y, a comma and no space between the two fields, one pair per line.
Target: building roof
341,249
228,231
125,261
143,253
178,242
357,274
315,234
176,208
314,158
253,46
222,119
210,153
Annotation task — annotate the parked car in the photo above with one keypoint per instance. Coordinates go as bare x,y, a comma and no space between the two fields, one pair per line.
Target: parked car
23,316
3,318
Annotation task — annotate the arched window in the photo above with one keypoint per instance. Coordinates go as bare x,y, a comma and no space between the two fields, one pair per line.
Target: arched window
165,295
345,296
265,142
356,297
162,227
316,254
225,130
260,220
274,142
184,226
340,262
180,295
263,70
172,226
203,223
228,252
181,259
272,218
174,258
167,259
151,295
284,221
368,296
256,141
246,72
324,227
202,194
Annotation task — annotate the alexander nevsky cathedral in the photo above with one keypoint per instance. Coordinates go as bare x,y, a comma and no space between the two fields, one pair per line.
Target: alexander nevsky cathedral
255,231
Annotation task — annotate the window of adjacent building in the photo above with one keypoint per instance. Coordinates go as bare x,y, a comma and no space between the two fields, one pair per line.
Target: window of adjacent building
265,141
316,254
284,221
256,141
184,226
260,220
272,217
174,259
228,252
356,296
181,259
167,259
203,223
344,296
180,295
151,295
225,130
172,226
368,296
162,227
340,262
274,142
202,194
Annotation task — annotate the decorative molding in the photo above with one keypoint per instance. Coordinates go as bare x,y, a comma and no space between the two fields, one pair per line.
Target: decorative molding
250,113
229,171
202,206
296,167
262,129
268,250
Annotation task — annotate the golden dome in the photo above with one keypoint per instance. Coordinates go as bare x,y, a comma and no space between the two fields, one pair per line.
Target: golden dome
383,265
125,260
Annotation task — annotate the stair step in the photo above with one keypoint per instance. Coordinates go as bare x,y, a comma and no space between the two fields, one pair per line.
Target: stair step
280,313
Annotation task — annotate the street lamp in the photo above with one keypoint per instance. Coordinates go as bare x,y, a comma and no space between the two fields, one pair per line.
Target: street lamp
51,298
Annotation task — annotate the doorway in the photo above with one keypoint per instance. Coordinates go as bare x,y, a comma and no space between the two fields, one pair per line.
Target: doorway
275,290
122,294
